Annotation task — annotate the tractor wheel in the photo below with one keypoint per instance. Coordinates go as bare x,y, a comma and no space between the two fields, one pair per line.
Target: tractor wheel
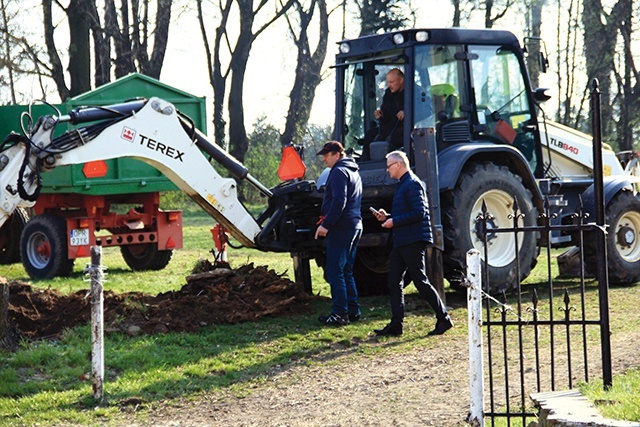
370,271
10,236
623,240
43,247
145,257
497,186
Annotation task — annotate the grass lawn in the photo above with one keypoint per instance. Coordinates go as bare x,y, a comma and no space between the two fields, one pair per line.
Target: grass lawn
44,382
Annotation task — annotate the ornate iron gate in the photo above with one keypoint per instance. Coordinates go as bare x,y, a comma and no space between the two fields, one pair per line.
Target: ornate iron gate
546,337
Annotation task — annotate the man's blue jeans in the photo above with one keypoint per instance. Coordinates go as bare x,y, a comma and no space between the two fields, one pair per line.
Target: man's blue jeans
341,254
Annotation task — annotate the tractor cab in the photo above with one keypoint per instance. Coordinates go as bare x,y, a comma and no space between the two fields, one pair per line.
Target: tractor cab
462,85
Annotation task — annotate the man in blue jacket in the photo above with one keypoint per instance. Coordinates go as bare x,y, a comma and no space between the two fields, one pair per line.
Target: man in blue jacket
411,228
341,224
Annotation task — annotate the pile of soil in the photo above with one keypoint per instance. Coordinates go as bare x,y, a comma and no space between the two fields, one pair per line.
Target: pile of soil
217,296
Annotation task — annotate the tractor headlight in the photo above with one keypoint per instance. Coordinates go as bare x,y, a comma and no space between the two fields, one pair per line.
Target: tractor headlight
345,48
422,36
398,38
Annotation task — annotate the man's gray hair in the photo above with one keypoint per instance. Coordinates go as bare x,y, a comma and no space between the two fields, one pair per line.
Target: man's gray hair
399,156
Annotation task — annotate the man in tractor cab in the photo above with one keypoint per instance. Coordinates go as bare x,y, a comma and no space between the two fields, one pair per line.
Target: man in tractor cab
389,116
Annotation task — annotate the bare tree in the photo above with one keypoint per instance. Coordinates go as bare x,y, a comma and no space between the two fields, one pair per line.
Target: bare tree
381,15
236,66
131,41
491,15
600,38
308,68
19,55
628,84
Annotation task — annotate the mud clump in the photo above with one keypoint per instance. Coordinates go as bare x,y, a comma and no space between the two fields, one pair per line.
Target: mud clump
217,296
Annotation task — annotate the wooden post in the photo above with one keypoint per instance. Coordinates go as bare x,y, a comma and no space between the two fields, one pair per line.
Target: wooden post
97,322
474,311
5,338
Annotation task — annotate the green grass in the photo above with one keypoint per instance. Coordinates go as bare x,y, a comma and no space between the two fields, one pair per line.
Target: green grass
43,383
621,401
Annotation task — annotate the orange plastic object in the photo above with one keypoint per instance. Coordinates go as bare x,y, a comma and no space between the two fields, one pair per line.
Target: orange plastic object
96,169
291,165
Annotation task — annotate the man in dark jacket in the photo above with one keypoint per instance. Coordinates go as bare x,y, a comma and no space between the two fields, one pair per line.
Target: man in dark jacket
411,234
390,115
341,224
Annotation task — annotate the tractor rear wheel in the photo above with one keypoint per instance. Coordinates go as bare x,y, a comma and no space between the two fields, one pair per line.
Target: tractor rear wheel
145,257
10,236
44,247
497,186
370,271
623,240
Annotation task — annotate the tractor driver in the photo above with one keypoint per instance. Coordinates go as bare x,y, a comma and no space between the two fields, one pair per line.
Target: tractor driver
389,116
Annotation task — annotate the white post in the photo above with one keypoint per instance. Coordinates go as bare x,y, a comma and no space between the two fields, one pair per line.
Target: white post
97,323
474,310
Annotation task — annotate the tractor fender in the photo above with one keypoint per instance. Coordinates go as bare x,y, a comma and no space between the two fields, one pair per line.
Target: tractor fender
453,159
612,185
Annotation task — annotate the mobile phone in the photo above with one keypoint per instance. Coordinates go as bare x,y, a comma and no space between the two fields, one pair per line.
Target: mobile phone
373,210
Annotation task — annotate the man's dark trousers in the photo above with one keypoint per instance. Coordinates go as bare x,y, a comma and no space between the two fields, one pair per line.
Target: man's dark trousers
410,258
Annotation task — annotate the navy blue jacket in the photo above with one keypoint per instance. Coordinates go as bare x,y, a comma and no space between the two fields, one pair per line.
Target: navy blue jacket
410,212
343,197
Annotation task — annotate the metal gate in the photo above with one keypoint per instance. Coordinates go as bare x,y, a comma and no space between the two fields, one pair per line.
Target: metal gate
544,337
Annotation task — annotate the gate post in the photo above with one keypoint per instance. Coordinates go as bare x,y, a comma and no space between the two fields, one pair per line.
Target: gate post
474,309
602,268
95,271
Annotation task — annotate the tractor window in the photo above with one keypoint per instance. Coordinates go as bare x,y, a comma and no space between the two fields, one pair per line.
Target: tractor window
501,99
438,77
354,104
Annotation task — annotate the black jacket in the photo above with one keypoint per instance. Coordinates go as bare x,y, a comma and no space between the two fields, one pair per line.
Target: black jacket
410,212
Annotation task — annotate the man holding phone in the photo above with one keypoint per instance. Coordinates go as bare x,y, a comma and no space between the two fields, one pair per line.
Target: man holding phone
411,228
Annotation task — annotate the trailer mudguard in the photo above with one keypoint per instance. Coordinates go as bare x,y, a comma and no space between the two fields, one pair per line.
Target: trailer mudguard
611,186
452,159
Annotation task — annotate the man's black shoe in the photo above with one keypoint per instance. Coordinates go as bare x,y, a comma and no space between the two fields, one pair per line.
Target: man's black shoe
354,317
442,326
334,320
392,329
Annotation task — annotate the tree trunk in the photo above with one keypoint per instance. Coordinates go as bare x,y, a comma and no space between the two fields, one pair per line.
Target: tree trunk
79,46
161,35
122,42
102,47
57,72
534,48
599,41
308,76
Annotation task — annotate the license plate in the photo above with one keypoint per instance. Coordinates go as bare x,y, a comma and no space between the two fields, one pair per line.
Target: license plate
79,236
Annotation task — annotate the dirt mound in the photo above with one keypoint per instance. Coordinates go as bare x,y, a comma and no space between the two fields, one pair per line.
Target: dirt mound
212,297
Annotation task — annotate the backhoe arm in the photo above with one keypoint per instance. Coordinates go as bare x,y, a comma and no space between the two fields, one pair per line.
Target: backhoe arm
150,131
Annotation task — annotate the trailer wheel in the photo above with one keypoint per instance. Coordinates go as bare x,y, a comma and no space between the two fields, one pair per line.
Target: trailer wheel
623,240
497,186
43,247
145,257
370,271
10,236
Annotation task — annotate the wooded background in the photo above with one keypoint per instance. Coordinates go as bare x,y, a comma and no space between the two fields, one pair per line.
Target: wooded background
107,39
